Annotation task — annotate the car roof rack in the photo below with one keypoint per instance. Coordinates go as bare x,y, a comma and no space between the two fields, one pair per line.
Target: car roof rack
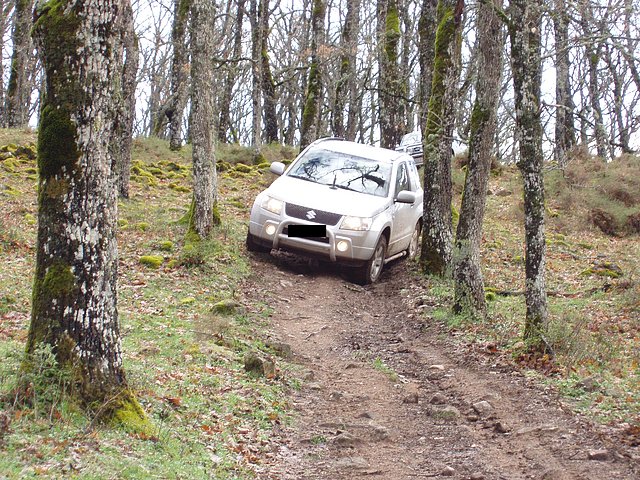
326,139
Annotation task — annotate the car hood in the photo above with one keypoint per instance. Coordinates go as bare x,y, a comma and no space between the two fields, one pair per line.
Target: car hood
323,197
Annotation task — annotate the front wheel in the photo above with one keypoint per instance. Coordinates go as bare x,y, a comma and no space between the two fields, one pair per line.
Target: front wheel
254,246
370,271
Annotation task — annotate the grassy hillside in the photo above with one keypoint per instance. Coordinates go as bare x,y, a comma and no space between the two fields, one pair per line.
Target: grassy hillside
185,358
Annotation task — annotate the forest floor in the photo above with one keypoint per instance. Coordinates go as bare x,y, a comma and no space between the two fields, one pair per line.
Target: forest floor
389,394
379,381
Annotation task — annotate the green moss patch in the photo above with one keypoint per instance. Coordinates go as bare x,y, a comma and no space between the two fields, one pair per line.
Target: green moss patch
151,261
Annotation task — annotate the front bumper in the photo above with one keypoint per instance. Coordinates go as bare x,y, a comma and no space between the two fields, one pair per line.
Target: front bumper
359,244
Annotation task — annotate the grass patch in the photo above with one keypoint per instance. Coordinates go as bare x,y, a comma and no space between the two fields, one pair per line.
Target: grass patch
209,418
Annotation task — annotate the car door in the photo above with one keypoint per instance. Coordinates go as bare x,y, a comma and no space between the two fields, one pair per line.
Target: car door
403,213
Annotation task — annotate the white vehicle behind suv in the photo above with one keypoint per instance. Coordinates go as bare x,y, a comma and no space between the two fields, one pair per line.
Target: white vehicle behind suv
342,201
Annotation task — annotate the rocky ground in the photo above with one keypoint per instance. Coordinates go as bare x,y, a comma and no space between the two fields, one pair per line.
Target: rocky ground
389,395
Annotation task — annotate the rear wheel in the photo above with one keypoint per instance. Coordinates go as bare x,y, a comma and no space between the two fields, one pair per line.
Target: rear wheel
370,271
254,246
414,245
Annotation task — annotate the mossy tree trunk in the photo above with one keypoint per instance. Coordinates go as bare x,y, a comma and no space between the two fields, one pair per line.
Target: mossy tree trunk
256,72
204,215
16,110
565,137
469,284
268,84
391,91
74,294
346,93
224,122
526,64
313,96
179,73
426,51
437,234
127,104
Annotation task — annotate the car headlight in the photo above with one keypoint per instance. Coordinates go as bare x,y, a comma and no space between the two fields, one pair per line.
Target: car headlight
273,205
356,223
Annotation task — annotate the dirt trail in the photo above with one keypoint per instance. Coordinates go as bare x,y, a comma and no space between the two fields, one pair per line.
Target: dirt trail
387,397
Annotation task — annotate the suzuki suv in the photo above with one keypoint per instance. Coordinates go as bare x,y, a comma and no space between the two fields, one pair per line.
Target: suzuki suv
344,202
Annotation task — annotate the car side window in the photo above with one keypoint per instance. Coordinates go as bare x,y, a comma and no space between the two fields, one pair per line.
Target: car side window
402,179
415,177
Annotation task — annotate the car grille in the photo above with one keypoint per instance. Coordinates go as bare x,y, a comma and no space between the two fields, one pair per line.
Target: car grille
320,216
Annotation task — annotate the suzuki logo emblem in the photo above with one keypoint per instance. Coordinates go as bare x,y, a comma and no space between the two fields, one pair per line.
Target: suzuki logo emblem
311,215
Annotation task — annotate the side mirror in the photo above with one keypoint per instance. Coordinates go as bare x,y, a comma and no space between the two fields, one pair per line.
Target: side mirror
277,168
405,196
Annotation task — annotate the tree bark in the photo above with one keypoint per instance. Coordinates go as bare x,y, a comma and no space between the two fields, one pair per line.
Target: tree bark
469,284
18,88
204,214
427,40
526,64
346,93
593,51
565,137
313,95
124,121
391,92
268,85
74,295
179,73
225,103
437,228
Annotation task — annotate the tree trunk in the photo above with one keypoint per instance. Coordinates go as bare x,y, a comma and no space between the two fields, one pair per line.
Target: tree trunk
565,137
593,52
391,92
124,121
204,214
524,33
74,294
426,50
437,228
469,284
313,95
268,85
18,88
256,76
179,73
346,84
225,103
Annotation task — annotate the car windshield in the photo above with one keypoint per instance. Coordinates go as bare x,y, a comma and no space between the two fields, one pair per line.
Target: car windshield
411,138
341,170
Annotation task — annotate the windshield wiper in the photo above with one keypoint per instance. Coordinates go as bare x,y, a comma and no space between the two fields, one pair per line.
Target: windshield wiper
300,177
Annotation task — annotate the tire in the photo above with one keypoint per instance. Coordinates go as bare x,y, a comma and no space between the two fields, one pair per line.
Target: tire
254,246
370,271
414,246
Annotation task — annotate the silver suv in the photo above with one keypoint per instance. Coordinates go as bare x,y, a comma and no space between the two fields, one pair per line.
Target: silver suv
342,201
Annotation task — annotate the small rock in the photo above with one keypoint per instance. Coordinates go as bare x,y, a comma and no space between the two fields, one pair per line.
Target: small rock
315,386
380,433
503,193
346,440
477,476
354,463
365,415
257,365
438,399
483,408
502,427
448,471
351,366
335,396
411,398
282,349
437,367
599,455
589,384
472,417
